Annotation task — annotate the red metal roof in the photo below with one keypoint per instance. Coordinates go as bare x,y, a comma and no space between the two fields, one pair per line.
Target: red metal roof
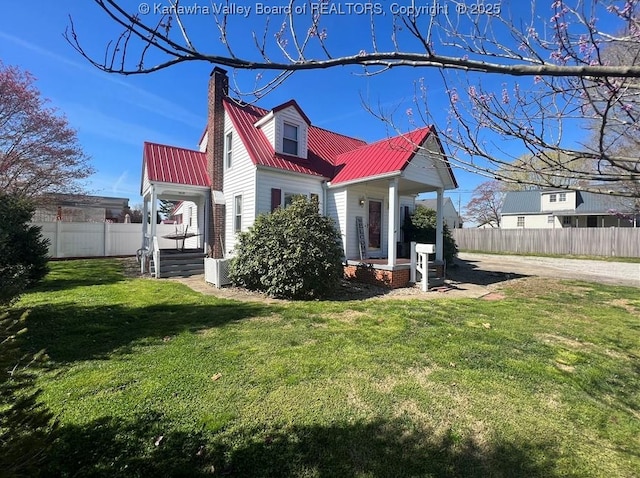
170,164
383,157
323,146
334,156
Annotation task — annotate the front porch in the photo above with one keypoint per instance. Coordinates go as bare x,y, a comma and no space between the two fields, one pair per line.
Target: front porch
379,272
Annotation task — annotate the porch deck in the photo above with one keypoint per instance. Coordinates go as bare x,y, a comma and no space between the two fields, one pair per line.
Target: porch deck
377,271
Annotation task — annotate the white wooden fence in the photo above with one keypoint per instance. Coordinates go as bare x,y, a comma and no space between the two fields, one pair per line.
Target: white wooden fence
99,239
607,242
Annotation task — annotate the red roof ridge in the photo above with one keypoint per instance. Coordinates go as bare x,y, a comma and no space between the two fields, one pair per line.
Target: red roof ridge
426,129
153,143
364,142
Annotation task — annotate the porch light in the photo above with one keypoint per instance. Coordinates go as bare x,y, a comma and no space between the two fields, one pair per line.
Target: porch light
361,201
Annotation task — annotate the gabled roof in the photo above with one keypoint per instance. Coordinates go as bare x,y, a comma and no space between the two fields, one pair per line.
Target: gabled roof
296,106
330,155
432,203
379,158
323,146
170,164
528,202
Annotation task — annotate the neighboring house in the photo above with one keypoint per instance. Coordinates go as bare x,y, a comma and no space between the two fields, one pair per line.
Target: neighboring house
451,217
548,209
185,212
81,208
251,161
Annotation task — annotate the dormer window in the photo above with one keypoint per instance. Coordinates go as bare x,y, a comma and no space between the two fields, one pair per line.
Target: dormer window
552,198
290,139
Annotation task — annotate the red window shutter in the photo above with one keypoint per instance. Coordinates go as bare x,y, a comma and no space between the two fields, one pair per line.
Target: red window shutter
276,195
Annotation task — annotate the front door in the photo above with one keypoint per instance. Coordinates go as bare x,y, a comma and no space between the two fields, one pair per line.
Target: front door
375,224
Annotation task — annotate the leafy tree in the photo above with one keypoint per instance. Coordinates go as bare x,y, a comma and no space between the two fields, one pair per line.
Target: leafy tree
485,205
166,208
23,251
39,151
294,252
421,227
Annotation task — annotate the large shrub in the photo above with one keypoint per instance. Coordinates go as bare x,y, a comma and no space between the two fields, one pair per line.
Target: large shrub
23,251
294,252
421,227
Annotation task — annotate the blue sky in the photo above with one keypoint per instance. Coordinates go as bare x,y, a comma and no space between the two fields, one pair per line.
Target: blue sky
115,114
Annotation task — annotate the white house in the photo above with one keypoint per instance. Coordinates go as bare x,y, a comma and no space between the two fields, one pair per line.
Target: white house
549,209
449,212
251,161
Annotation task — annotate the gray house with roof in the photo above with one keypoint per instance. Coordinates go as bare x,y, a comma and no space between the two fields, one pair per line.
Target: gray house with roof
549,209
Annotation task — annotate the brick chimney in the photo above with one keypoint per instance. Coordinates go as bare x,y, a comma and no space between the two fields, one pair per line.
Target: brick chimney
218,90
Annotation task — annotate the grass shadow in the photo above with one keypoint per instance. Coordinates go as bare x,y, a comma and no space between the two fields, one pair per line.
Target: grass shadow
88,272
69,332
148,446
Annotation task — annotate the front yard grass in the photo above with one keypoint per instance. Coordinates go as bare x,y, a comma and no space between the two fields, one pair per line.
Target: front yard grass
148,378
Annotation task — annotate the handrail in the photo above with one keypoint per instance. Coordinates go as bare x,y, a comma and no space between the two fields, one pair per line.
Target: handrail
156,257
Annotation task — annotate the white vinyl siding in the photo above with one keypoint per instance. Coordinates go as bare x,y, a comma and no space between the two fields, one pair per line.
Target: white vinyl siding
291,117
269,130
288,183
239,180
337,210
427,168
560,201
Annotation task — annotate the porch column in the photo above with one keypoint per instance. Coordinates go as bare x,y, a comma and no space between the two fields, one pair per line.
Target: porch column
392,234
154,214
439,225
205,223
145,226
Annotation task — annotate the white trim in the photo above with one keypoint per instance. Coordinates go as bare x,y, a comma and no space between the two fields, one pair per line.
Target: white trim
265,119
351,182
288,172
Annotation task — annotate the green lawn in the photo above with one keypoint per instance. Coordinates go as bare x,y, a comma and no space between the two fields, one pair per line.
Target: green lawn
148,378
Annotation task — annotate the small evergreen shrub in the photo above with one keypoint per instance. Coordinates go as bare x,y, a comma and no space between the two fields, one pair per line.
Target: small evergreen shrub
23,251
293,253
421,227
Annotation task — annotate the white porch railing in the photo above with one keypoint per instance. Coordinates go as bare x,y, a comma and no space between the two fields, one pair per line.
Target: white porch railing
420,262
156,257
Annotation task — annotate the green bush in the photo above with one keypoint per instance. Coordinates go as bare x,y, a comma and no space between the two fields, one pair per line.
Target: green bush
23,251
294,253
421,227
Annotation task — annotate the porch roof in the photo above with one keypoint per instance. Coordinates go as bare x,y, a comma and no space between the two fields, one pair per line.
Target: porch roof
380,158
169,164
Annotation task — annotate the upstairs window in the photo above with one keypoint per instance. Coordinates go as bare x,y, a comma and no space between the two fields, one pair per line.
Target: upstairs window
229,148
290,139
563,197
520,221
552,198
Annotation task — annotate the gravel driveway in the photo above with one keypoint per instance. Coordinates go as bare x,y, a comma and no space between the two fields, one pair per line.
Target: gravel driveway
618,273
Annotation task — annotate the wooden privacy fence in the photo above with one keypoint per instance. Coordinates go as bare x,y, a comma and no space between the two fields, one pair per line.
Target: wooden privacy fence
607,242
